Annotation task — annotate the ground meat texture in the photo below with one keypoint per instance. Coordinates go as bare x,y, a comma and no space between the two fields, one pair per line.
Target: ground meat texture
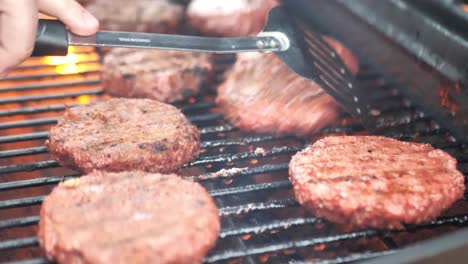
262,94
124,134
162,75
128,217
229,18
157,16
376,182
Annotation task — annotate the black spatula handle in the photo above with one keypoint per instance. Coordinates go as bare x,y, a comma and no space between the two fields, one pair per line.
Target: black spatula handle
51,39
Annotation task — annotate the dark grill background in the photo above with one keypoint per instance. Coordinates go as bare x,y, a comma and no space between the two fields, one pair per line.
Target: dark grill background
260,219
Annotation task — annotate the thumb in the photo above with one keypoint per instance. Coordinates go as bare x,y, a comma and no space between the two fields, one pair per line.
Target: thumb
78,20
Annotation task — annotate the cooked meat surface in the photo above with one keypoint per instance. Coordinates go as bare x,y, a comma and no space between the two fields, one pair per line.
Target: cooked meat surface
124,134
377,182
157,16
162,75
128,217
261,94
229,18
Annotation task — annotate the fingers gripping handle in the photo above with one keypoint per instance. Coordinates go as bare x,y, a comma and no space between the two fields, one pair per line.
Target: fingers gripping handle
51,39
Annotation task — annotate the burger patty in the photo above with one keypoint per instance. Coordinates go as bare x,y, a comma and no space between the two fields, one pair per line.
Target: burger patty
128,217
124,134
377,182
262,94
158,16
162,75
229,18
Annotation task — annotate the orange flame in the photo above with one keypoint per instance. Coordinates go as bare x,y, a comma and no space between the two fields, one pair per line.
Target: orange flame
320,247
83,99
71,63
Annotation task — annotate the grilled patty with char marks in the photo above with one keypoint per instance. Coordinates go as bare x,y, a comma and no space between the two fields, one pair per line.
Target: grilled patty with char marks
377,182
124,134
128,217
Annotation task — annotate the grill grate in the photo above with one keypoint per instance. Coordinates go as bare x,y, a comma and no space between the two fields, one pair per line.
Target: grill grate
261,221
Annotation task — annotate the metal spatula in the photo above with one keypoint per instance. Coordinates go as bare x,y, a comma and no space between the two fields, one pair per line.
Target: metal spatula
304,52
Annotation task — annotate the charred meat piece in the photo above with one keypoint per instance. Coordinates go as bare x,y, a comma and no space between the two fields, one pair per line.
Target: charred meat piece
124,134
162,75
229,18
261,94
377,182
157,16
128,217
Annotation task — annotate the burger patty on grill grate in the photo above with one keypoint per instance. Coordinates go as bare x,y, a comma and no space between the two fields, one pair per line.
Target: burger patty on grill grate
371,181
124,134
229,18
262,94
158,16
128,217
162,75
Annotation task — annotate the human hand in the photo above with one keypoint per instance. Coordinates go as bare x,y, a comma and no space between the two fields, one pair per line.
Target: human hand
18,26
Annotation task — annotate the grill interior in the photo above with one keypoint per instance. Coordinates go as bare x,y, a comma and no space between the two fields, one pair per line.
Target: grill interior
245,172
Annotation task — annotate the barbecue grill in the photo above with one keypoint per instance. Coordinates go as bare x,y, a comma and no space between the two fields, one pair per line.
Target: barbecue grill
246,173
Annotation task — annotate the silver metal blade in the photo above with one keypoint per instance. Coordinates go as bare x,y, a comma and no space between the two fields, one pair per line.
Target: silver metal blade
271,41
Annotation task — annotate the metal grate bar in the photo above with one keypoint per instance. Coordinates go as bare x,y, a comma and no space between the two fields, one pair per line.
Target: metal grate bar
22,99
242,141
30,122
47,75
355,257
19,243
24,137
446,220
48,85
22,152
34,182
35,110
245,155
292,244
217,129
205,117
251,188
339,130
21,202
29,166
17,222
229,173
251,207
273,225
